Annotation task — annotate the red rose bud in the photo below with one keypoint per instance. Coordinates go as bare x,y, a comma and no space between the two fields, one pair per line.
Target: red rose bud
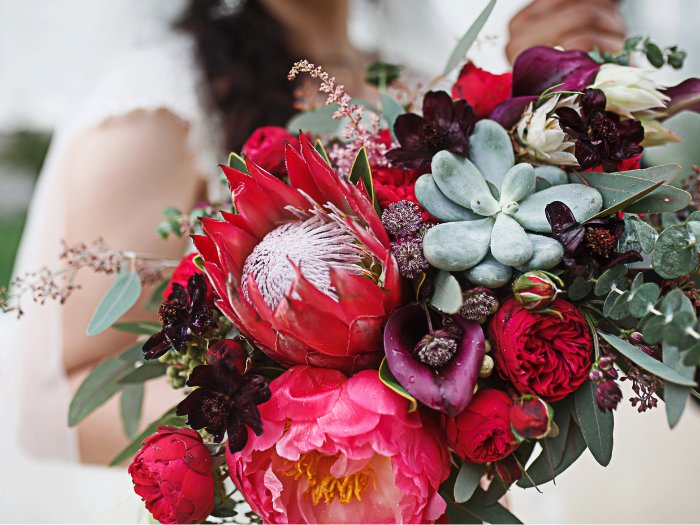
531,418
231,350
483,90
544,353
482,433
172,474
537,289
508,470
265,147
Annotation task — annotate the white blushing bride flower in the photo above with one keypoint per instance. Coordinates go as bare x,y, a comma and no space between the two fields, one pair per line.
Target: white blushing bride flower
628,89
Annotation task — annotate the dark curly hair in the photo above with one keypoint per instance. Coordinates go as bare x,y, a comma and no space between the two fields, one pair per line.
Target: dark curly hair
245,58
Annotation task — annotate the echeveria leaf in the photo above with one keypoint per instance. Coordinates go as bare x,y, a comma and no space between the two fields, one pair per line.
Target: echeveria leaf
491,150
489,272
447,296
435,202
517,183
546,254
552,174
510,245
461,182
457,246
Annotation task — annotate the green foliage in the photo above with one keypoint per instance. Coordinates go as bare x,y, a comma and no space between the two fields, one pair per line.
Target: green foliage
382,74
656,56
676,251
675,396
123,294
391,111
467,481
130,407
462,47
142,327
596,425
361,171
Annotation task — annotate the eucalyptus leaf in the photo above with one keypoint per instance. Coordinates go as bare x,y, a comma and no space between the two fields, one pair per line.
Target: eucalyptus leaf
579,289
447,296
626,203
596,425
675,252
467,481
645,234
665,198
382,74
317,122
615,277
130,406
642,298
119,299
145,372
462,47
140,327
97,388
495,513
391,110
645,361
675,396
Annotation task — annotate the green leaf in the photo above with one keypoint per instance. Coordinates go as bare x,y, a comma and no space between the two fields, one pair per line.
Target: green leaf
447,296
675,252
317,122
675,396
596,425
541,472
119,299
98,387
554,447
579,289
391,111
130,405
642,298
382,74
157,296
361,171
322,151
145,372
462,47
645,234
236,162
139,327
132,354
616,306
664,199
495,513
614,277
386,377
645,361
169,419
456,513
654,55
625,203
467,480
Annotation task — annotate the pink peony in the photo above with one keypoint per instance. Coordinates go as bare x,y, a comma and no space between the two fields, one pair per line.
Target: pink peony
339,450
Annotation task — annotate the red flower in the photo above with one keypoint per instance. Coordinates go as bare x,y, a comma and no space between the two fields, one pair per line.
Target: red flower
545,353
482,433
230,350
181,275
483,90
304,269
172,474
531,418
265,147
633,163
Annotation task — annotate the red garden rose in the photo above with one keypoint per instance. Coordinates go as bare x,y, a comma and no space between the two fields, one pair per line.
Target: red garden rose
531,418
483,90
181,275
482,433
265,147
172,474
545,353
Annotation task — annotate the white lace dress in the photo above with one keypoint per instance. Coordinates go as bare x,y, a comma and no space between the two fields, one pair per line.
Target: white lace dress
42,479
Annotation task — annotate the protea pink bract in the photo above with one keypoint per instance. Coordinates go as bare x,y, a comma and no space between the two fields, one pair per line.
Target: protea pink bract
304,269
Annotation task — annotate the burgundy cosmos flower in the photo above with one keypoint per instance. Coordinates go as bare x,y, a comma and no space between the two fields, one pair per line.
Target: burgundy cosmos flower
601,136
184,313
225,402
589,245
445,125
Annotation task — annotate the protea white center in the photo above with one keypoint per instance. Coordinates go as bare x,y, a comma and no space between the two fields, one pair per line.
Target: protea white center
314,245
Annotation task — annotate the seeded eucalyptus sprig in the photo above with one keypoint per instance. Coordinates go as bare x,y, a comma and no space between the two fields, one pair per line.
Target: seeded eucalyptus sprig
656,56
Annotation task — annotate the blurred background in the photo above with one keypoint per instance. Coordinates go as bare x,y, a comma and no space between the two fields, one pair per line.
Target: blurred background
53,51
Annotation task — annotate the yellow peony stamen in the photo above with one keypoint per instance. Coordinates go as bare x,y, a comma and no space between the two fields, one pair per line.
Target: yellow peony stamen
327,487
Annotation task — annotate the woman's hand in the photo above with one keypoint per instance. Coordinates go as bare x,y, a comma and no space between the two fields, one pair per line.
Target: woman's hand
571,24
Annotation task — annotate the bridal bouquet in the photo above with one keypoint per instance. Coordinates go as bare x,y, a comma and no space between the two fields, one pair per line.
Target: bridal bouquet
411,307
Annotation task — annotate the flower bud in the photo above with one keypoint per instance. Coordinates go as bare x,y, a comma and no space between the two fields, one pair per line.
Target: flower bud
486,367
608,395
478,304
536,289
531,418
596,376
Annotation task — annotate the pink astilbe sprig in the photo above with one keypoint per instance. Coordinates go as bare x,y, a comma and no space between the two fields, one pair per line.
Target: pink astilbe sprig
356,132
58,285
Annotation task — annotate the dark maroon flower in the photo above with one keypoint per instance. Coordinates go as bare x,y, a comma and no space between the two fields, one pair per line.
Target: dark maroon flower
231,350
445,125
225,402
602,138
183,314
608,395
448,387
587,246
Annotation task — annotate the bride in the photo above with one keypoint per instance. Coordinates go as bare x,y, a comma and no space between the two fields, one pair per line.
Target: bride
151,136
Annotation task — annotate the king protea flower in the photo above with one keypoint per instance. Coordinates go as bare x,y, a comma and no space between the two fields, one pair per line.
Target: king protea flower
304,269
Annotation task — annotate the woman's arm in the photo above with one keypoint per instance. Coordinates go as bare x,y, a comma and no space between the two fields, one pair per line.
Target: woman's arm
118,178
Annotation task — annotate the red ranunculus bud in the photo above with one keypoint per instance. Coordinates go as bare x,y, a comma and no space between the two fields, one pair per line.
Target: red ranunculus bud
508,470
545,353
483,90
531,418
481,433
265,147
231,350
172,474
181,275
536,289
